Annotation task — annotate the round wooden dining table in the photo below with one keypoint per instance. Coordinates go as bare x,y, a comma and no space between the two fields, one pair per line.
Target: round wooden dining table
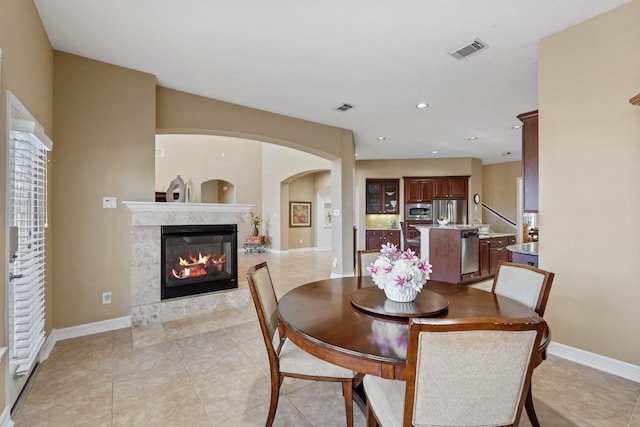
321,318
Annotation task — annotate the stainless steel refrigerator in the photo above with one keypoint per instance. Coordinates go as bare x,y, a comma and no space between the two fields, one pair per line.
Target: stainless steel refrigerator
455,210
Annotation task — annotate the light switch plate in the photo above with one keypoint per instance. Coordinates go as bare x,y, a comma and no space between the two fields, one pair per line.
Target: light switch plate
109,202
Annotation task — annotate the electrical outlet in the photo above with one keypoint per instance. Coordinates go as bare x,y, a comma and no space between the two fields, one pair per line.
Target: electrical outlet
109,202
106,297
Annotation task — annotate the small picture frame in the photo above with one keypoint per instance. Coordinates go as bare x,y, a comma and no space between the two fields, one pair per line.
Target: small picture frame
299,214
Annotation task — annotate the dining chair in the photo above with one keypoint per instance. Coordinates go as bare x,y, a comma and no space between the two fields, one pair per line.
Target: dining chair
414,244
529,286
365,257
471,372
524,283
289,360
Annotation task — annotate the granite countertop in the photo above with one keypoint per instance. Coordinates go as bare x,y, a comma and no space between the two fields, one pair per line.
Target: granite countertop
383,228
525,248
492,234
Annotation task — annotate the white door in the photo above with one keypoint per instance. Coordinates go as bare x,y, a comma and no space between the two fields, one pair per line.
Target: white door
26,198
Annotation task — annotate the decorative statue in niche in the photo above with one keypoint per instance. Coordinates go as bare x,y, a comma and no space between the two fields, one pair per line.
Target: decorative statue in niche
179,184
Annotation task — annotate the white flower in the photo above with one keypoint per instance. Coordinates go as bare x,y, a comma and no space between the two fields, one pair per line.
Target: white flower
402,270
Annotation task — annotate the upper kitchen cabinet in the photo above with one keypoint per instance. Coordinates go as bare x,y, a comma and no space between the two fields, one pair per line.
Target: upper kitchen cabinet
418,190
453,187
530,160
382,196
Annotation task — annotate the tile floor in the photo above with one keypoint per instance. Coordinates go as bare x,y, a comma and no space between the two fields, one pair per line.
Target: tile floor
213,371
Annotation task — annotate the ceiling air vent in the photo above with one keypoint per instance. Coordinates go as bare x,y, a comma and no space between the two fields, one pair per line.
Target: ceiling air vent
469,49
343,107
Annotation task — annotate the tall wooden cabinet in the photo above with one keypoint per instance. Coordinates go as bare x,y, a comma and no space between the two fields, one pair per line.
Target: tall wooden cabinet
530,160
383,196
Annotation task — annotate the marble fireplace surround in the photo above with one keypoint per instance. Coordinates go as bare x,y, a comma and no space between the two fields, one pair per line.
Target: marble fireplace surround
146,219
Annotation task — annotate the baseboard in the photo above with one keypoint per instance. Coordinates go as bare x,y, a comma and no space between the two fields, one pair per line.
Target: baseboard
596,361
5,418
81,331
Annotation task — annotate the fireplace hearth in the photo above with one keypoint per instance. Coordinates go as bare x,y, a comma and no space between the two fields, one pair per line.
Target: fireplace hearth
197,259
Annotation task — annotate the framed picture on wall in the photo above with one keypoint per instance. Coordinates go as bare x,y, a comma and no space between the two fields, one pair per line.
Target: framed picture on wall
299,214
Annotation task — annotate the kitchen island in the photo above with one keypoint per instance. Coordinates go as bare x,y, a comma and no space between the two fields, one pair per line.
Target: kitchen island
456,258
524,253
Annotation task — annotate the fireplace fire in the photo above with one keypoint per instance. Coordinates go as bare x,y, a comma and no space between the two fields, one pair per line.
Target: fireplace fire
197,259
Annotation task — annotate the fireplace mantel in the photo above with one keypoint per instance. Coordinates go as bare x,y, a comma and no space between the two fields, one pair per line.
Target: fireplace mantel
185,207
146,220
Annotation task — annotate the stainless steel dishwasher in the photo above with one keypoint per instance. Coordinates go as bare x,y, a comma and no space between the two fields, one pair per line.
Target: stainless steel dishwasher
470,248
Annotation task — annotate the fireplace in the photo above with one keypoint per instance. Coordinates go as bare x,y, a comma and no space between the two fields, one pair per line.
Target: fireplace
197,259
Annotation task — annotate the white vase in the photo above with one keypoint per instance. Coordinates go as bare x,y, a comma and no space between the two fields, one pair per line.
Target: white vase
395,294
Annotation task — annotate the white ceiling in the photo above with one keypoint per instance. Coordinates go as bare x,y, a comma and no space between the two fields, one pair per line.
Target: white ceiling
302,58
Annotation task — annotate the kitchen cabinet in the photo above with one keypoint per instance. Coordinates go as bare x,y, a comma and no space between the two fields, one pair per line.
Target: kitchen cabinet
382,196
454,187
529,160
484,257
376,238
418,190
498,251
492,251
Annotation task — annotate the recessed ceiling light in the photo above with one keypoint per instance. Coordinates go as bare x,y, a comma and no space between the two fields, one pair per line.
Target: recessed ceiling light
422,105
434,152
516,127
381,138
472,138
343,107
505,154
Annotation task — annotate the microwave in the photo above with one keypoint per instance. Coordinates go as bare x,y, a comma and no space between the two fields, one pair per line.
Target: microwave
418,211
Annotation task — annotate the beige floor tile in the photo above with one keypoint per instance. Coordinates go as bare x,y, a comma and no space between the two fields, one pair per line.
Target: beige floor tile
144,385
137,359
166,409
76,406
147,335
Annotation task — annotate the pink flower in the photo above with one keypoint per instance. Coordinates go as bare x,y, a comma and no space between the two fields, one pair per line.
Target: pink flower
401,281
425,266
372,269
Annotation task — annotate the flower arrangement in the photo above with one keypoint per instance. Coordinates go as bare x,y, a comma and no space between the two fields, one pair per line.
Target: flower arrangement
255,220
401,274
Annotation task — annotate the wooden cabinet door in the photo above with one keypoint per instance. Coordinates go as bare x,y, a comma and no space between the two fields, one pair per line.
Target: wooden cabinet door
374,196
418,190
458,188
484,257
441,188
373,239
390,196
391,236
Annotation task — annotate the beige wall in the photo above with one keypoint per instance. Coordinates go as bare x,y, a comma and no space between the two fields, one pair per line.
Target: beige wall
302,190
104,146
26,69
589,182
280,167
499,188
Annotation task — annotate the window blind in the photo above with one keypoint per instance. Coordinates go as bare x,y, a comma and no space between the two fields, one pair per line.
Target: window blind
28,214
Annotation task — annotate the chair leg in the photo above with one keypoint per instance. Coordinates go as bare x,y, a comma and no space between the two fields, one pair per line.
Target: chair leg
273,403
371,418
531,411
347,391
